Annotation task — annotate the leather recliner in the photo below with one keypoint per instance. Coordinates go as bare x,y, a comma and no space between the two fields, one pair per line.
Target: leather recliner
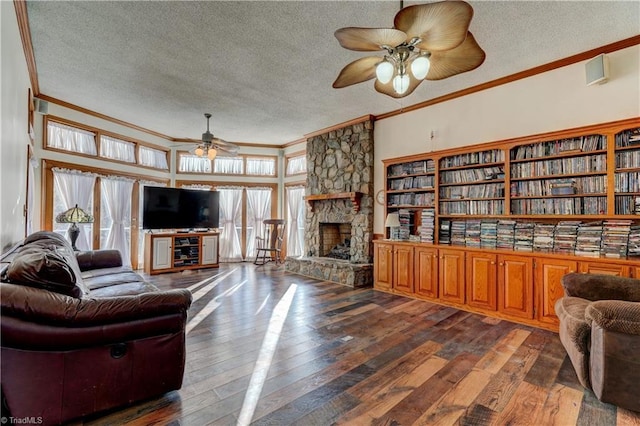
82,334
600,329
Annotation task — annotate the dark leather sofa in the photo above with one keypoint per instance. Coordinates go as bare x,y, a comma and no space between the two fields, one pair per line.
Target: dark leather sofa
82,334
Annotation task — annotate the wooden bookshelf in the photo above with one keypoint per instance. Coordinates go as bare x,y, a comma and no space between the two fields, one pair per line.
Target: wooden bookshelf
524,211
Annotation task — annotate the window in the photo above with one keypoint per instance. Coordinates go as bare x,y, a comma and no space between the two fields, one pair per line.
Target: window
228,165
193,164
115,216
261,166
295,222
231,223
152,158
117,149
296,165
71,187
72,139
258,209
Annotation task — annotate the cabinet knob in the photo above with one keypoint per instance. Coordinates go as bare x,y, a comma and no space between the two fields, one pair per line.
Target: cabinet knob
572,271
501,264
493,263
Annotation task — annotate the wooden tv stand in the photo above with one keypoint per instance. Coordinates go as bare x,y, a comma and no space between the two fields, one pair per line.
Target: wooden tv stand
177,251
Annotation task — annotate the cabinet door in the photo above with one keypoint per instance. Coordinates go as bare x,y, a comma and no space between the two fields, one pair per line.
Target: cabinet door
605,268
549,272
515,286
426,272
209,250
635,272
451,280
383,266
162,253
481,281
403,271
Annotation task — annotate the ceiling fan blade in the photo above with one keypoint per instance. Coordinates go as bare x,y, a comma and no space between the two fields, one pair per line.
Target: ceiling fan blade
440,26
388,89
466,57
360,70
369,39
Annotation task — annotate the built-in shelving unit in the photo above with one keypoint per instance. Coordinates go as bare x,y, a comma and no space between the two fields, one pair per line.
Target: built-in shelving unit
584,175
493,227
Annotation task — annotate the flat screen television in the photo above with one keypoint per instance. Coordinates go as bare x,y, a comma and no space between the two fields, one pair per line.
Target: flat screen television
174,208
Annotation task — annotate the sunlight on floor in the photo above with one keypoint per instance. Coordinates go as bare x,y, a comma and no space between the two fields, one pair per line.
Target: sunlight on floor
211,306
215,280
265,356
263,304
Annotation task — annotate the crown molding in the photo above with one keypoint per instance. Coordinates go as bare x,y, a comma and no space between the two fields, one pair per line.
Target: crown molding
27,45
358,120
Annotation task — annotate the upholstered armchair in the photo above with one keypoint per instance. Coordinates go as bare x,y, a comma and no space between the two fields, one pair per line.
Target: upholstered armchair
600,329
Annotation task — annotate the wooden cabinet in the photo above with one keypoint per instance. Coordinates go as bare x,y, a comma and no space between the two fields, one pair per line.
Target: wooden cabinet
161,253
481,280
175,252
210,249
518,286
383,266
515,286
426,272
605,268
549,273
403,268
451,277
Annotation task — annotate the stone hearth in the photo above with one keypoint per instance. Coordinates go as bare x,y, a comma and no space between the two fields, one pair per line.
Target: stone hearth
340,183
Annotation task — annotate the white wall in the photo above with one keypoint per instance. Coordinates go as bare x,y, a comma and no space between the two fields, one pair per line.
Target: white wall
14,89
547,102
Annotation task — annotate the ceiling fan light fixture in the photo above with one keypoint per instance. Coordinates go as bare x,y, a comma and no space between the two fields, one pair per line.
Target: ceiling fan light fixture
199,151
401,83
420,67
211,153
384,71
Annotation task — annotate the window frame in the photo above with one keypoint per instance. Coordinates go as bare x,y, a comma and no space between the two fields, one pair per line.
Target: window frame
244,166
98,134
289,157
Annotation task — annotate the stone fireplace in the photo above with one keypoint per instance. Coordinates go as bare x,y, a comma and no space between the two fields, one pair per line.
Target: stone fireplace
339,219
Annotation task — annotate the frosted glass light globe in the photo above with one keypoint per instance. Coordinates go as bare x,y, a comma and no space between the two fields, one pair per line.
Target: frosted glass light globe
401,83
384,71
420,67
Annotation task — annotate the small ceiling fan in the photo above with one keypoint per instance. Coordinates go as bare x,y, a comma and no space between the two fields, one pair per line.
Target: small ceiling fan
211,146
430,41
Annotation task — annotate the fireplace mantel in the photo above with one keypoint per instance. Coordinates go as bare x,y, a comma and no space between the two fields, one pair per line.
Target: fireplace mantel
353,196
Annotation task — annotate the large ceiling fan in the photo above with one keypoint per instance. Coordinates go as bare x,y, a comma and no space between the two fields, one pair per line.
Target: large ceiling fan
211,146
430,41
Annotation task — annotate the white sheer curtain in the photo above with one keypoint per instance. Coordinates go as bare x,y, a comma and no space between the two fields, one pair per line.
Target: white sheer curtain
71,187
116,202
258,209
71,139
295,234
261,166
228,165
117,149
297,165
231,221
193,163
152,158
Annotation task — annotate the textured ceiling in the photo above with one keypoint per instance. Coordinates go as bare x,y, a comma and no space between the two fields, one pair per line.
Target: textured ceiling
265,69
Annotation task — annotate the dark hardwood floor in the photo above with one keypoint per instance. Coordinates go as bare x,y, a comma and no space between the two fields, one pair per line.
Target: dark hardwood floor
266,347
